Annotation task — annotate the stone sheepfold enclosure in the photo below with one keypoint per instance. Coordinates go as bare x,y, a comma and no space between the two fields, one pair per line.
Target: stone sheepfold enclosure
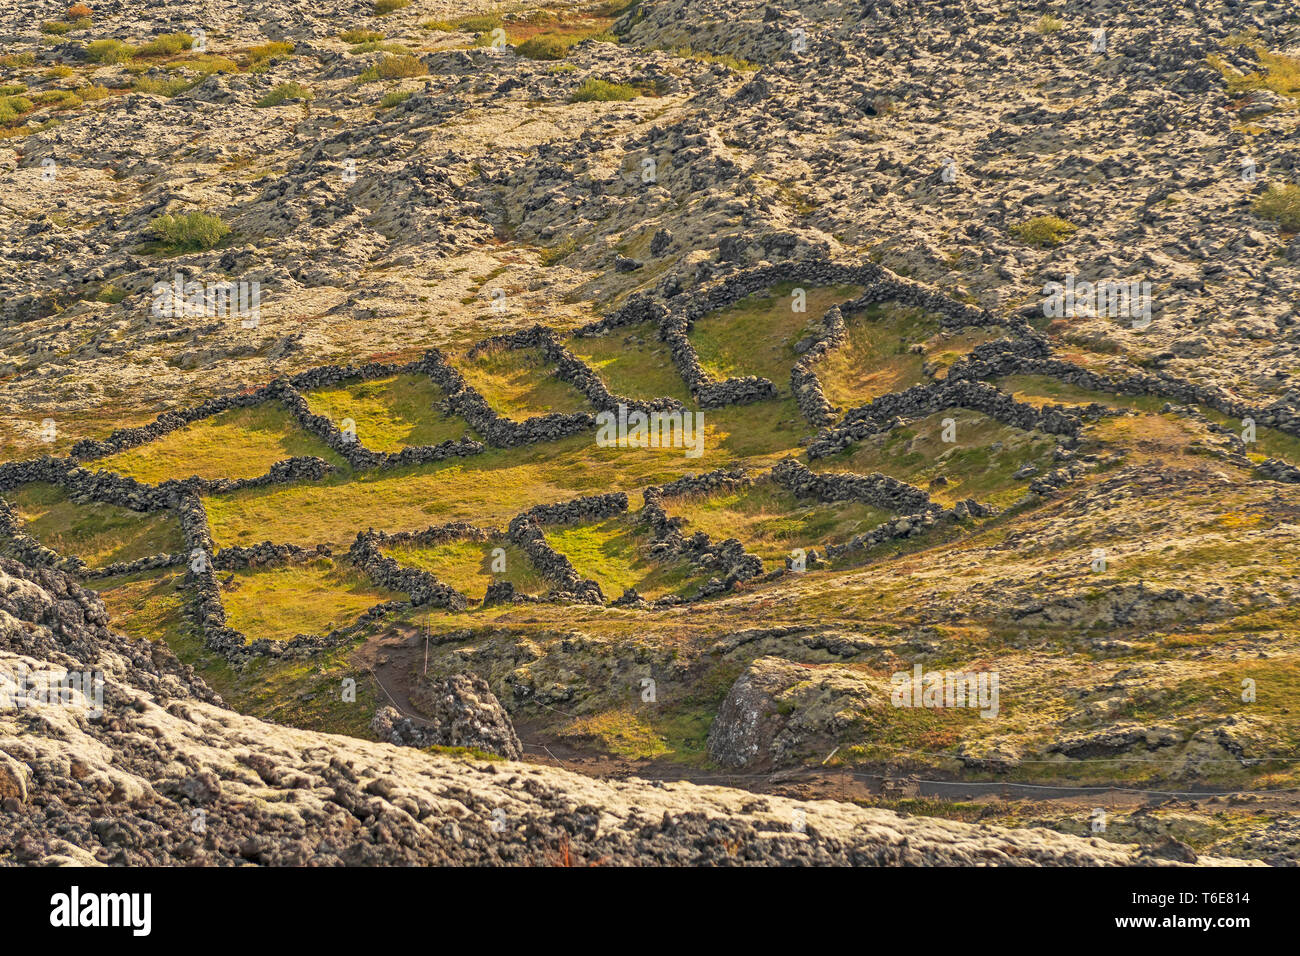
1021,350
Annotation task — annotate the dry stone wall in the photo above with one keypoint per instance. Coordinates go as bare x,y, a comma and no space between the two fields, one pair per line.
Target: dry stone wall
1023,351
996,359
728,560
889,411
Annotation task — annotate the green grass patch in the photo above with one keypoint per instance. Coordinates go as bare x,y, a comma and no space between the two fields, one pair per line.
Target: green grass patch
979,464
148,605
285,92
236,443
312,598
189,232
619,732
467,565
757,435
757,335
111,294
519,383
108,52
13,107
1044,231
361,36
259,56
390,413
1281,204
1280,73
593,90
163,85
98,533
168,44
615,554
544,48
1039,390
487,490
395,98
553,255
772,522
382,46
385,7
476,23
207,65
1269,442
877,356
632,361
395,67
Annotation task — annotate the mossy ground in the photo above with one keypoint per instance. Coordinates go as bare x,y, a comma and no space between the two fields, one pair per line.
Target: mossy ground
632,362
390,413
979,463
950,596
1039,390
757,335
312,598
519,384
236,443
467,566
98,533
771,521
615,554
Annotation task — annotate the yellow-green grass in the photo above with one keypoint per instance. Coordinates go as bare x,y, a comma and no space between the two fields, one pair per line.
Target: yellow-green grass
149,605
236,443
297,693
491,488
97,423
916,453
757,435
312,598
98,533
1044,231
757,335
390,413
877,357
1040,390
467,565
946,348
1269,442
620,731
1281,74
520,383
633,362
772,522
615,554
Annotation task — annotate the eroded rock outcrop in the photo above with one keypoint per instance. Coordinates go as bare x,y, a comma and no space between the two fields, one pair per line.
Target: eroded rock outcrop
459,711
167,775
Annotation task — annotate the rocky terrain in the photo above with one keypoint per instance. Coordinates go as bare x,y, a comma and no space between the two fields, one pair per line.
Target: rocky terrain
167,775
365,590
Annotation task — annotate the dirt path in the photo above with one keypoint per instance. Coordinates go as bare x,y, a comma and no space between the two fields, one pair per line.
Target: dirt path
395,660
